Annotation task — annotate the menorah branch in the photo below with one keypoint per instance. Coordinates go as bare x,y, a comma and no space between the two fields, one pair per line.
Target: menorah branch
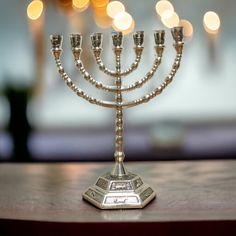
124,88
103,68
146,78
159,89
138,52
91,80
101,65
79,92
97,38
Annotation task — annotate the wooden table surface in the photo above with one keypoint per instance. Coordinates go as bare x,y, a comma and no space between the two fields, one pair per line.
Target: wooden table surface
194,197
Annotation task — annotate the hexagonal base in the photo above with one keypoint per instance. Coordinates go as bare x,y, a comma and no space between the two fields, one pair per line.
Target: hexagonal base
113,192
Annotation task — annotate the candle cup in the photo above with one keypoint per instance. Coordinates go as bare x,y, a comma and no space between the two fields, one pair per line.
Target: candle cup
159,36
96,40
138,38
56,41
76,41
177,34
117,38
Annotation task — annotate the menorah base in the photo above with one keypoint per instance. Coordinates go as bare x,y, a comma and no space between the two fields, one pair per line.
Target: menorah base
113,192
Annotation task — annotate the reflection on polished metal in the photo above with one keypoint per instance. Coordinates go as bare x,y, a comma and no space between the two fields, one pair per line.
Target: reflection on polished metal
119,188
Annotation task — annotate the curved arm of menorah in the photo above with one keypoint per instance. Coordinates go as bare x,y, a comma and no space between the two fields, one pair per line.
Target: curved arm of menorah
103,68
101,65
90,79
166,82
135,64
96,39
147,77
56,41
124,88
79,91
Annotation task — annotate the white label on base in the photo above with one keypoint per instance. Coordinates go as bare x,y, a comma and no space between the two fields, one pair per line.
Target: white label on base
121,200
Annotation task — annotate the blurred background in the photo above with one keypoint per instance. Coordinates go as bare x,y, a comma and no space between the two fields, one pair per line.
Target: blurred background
42,120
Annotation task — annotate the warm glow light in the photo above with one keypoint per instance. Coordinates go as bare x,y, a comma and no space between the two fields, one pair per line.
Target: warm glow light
130,29
115,7
167,14
35,9
188,28
65,5
102,22
101,18
76,21
99,3
211,22
122,21
80,5
100,12
170,21
127,31
163,6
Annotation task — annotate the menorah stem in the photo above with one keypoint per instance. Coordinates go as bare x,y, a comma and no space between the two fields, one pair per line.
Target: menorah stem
119,169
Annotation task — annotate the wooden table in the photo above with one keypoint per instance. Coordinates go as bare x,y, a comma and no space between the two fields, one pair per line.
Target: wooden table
194,198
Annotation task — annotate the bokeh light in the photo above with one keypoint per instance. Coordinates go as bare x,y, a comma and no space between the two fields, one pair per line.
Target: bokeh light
127,31
167,14
99,3
100,12
80,5
188,28
114,8
163,6
101,18
35,9
102,21
170,21
130,29
211,22
122,21
65,5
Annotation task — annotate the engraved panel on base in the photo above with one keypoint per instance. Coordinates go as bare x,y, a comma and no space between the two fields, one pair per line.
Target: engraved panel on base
119,186
122,200
102,183
137,183
94,195
144,195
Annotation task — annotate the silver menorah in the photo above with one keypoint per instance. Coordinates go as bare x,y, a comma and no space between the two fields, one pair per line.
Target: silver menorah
119,188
